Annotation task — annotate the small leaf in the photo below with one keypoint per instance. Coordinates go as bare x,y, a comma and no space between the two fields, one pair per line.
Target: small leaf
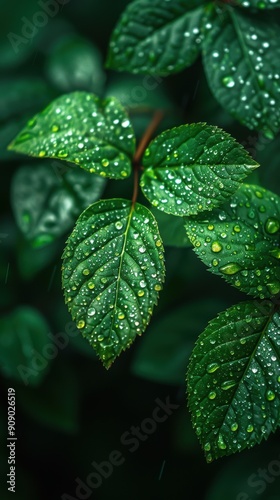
75,64
241,57
113,270
79,127
233,379
193,168
23,337
157,37
241,241
47,199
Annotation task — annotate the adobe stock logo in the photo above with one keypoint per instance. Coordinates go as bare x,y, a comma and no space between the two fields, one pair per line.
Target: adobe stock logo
49,8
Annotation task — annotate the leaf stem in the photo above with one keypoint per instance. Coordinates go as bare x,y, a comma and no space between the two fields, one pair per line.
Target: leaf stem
158,116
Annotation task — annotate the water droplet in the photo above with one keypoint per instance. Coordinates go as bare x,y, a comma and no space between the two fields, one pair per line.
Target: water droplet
234,426
212,367
212,395
231,268
119,225
228,81
221,444
228,384
270,396
207,447
105,162
274,287
81,324
158,288
62,153
91,285
91,311
121,316
250,428
272,225
275,253
216,247
141,293
55,128
86,272
42,154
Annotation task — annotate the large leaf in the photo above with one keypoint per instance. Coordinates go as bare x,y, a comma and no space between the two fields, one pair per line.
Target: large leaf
241,241
233,379
193,168
112,273
47,199
241,56
83,129
23,339
75,64
157,37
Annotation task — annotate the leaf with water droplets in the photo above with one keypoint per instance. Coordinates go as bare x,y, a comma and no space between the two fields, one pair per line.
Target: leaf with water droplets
241,55
47,199
157,37
193,168
113,271
241,241
94,134
234,379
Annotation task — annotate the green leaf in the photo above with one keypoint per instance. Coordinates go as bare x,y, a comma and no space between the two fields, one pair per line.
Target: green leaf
241,56
157,37
241,241
258,4
79,127
162,353
113,270
23,337
75,64
233,379
193,168
47,199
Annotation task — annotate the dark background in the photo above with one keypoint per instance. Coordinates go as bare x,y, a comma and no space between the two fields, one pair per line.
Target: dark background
76,412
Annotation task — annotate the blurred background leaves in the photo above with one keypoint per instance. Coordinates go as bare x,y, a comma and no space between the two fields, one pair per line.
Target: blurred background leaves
74,412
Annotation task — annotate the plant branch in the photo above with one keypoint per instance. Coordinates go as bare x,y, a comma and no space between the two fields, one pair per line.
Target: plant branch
158,116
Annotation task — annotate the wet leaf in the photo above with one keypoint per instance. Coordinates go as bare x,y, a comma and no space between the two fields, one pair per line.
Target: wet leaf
23,336
47,199
112,273
233,379
75,64
241,57
241,241
193,168
157,37
79,127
